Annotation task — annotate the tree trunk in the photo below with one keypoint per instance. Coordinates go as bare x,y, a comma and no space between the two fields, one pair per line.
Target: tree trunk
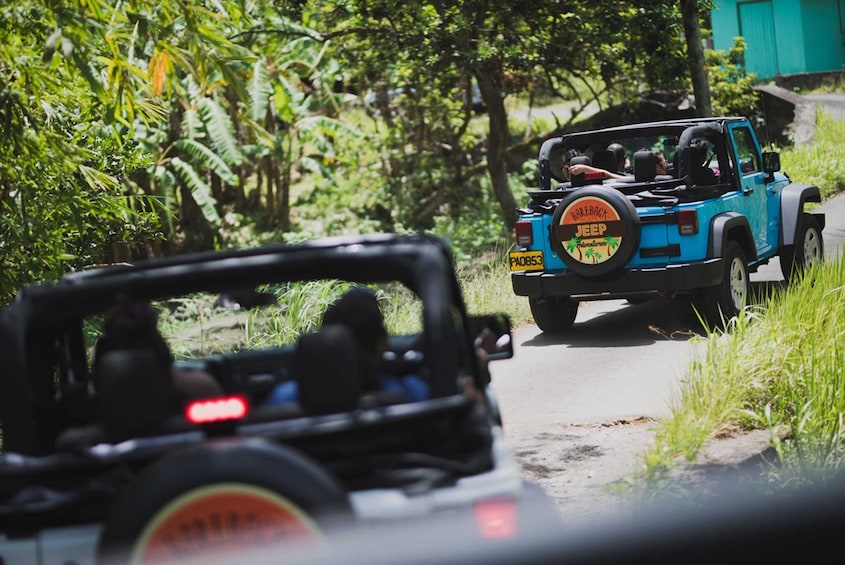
695,56
497,144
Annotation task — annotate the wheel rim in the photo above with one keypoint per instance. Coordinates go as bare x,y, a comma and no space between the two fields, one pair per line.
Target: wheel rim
738,283
812,247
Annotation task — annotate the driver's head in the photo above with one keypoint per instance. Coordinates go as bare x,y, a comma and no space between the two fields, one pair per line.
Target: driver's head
358,309
698,151
619,152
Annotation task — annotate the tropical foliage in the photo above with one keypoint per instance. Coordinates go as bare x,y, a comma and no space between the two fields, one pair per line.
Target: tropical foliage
146,127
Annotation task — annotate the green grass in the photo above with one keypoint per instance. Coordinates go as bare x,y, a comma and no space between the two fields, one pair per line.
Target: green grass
780,367
823,162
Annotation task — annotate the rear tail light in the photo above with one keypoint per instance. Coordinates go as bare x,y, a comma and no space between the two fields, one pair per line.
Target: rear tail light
496,517
596,175
687,222
524,234
220,409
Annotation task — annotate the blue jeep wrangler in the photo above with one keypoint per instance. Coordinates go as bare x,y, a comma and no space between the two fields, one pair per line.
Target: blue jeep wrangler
719,211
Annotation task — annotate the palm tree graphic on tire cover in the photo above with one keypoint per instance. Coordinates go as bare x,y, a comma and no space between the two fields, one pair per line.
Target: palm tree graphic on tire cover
574,245
591,253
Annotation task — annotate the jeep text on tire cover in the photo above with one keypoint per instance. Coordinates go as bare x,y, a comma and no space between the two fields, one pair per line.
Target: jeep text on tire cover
720,210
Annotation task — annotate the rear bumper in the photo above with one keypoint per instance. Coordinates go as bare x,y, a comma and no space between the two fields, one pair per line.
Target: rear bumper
674,278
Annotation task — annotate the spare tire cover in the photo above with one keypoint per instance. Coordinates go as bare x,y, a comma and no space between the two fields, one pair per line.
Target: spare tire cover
595,231
223,496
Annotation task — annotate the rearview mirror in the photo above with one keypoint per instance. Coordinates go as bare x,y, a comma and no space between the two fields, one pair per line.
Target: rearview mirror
492,333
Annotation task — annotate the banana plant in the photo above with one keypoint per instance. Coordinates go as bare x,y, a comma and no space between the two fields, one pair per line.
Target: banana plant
291,109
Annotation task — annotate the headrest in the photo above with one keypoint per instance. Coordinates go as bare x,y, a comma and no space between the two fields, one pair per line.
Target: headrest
132,392
579,180
645,166
359,310
328,370
604,159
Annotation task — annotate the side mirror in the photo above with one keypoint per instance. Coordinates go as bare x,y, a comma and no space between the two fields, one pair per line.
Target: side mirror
492,332
771,162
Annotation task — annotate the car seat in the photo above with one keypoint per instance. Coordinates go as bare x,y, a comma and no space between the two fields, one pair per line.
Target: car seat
645,166
133,392
328,370
579,180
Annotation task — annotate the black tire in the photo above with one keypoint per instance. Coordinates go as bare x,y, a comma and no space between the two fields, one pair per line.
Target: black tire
241,483
553,314
614,228
808,248
718,304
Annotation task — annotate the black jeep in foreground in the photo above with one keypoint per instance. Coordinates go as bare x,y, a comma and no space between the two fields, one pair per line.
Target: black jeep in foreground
98,465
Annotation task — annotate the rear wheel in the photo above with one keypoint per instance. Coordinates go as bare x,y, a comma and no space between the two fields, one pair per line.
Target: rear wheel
553,314
223,496
807,249
718,304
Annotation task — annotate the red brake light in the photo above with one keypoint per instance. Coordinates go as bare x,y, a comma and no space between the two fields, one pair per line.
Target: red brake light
687,222
596,175
524,234
496,517
210,410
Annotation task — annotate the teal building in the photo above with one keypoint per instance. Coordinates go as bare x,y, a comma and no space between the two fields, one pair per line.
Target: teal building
783,37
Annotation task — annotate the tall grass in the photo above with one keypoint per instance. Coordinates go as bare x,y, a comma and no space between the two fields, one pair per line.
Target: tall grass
781,366
822,163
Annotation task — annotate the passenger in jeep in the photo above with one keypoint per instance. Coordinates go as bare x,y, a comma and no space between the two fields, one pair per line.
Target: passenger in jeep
358,310
566,160
622,163
132,324
582,169
701,174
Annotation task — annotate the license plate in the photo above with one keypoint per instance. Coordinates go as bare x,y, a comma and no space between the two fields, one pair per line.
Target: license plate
526,260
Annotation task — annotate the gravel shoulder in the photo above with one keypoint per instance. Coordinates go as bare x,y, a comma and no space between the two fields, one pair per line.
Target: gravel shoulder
591,471
588,470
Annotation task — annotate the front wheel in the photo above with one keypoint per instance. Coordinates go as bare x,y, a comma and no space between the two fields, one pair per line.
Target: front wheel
807,249
553,314
718,304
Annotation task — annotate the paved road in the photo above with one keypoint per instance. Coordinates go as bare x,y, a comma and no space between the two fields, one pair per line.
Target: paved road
579,409
833,103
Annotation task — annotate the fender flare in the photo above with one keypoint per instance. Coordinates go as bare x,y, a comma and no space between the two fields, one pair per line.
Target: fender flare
792,199
723,225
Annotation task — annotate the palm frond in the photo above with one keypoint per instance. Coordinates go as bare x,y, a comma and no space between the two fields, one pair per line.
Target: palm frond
164,179
326,126
209,158
287,100
200,190
302,51
192,126
221,131
98,180
260,90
